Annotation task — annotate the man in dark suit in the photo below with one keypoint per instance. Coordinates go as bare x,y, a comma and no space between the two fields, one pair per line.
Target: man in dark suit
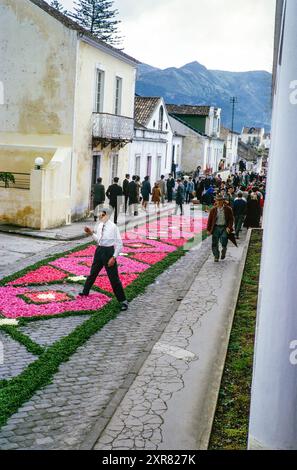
133,197
126,190
114,194
98,193
220,224
170,186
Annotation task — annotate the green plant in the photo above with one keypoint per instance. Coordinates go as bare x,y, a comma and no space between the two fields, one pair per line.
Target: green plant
7,178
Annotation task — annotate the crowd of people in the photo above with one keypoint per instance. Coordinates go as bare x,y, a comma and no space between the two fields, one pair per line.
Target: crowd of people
243,192
238,200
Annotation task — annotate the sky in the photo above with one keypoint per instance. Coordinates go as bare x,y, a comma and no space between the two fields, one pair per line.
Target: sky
234,35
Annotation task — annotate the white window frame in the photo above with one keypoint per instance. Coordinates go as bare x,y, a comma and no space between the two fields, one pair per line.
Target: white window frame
99,94
98,155
149,158
114,166
158,167
137,164
118,96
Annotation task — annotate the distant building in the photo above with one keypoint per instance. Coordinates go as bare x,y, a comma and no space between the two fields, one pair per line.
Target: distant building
205,121
67,97
230,147
150,153
252,158
253,136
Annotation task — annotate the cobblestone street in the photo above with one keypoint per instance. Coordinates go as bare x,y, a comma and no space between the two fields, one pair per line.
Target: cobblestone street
142,355
84,394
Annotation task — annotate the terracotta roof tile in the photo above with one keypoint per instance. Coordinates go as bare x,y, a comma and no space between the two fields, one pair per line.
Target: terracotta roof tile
144,108
188,109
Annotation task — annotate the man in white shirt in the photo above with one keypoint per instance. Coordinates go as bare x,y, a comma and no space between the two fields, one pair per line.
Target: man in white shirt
110,244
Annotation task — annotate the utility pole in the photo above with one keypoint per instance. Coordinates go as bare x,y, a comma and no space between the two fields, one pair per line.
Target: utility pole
273,423
233,101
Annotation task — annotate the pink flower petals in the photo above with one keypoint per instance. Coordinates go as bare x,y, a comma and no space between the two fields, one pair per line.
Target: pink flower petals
150,258
41,275
103,282
12,306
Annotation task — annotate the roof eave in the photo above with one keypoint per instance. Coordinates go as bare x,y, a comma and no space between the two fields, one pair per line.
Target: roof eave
104,48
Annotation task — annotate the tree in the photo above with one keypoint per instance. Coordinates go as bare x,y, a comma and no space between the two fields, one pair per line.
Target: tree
98,18
58,6
7,178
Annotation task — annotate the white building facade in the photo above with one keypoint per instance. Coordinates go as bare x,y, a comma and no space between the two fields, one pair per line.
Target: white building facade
150,153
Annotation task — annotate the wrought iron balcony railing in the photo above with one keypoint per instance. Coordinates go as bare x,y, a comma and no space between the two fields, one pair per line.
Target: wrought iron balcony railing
112,127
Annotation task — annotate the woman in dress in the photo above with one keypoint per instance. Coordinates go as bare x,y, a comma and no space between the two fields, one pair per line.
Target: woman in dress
156,196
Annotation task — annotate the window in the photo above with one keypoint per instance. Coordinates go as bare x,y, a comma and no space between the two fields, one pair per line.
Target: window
96,167
161,116
149,165
159,163
114,165
118,96
154,124
99,91
137,165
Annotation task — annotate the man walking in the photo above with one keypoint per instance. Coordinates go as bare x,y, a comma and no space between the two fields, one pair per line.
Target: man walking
126,190
98,196
179,197
133,197
110,244
170,185
114,194
239,210
162,187
189,190
220,224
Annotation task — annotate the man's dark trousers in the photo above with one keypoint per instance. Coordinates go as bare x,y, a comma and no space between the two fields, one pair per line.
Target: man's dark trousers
115,217
101,258
239,219
126,203
219,235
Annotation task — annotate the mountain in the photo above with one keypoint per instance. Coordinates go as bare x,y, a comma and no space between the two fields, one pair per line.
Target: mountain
195,84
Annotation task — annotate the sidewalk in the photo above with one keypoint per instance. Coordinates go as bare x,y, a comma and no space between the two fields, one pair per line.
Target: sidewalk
171,403
75,231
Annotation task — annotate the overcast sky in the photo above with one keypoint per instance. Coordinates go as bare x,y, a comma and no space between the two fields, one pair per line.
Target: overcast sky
235,35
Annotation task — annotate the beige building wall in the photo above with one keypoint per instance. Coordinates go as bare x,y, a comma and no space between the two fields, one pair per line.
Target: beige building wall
37,69
37,73
89,60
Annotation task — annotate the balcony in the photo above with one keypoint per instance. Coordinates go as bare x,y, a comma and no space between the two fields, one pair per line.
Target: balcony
112,129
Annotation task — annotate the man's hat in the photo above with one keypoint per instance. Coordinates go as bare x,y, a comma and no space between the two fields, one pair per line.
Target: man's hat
219,197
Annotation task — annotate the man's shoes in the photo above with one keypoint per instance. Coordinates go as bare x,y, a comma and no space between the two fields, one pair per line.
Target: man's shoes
124,306
216,260
81,294
223,255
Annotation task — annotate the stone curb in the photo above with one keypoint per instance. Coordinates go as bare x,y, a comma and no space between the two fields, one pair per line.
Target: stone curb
40,235
94,435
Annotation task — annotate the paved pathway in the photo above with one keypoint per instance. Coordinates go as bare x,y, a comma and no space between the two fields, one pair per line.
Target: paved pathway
170,404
